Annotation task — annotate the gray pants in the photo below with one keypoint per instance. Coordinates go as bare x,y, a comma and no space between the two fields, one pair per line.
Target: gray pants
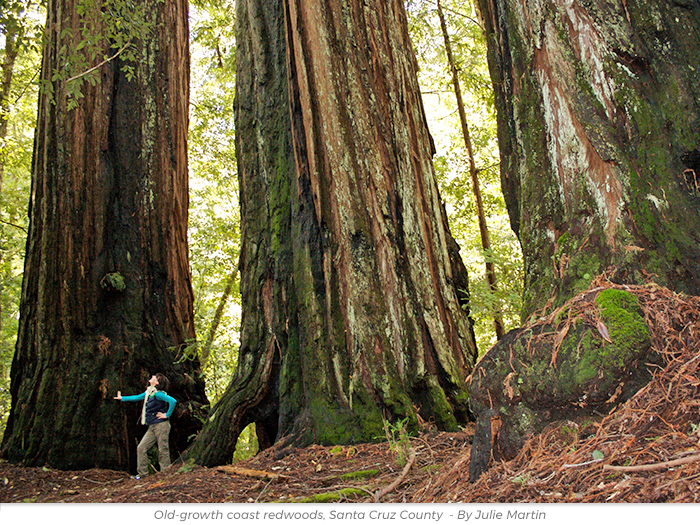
160,432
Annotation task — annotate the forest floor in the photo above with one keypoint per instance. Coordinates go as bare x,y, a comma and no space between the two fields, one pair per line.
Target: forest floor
556,467
646,449
316,473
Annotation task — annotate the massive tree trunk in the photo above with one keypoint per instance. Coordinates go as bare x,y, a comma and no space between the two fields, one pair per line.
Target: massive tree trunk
107,296
353,289
598,111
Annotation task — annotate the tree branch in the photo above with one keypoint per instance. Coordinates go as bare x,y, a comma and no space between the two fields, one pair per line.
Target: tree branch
241,471
26,87
98,66
386,490
13,225
463,15
655,466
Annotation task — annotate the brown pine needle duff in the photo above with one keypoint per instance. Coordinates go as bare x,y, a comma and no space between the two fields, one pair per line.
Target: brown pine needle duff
649,431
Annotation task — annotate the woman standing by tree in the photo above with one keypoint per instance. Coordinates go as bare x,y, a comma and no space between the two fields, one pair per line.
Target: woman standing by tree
157,417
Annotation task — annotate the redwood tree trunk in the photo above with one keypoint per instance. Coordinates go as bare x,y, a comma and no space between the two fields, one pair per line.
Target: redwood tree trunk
598,111
107,297
353,290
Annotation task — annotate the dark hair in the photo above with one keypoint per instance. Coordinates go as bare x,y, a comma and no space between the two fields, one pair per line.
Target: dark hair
163,382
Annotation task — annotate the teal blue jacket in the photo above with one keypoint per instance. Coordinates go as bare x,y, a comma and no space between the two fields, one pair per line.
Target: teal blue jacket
160,396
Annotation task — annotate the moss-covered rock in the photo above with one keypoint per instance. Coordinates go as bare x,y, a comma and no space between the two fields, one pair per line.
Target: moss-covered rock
581,358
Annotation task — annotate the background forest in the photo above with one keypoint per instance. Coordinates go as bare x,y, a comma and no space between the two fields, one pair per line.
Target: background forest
214,229
151,188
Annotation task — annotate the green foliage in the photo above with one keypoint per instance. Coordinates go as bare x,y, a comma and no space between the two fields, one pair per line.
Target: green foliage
15,169
187,466
113,281
107,30
247,445
521,479
187,351
452,163
399,440
214,226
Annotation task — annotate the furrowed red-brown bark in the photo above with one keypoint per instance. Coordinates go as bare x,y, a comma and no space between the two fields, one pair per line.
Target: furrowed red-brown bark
352,285
598,110
107,297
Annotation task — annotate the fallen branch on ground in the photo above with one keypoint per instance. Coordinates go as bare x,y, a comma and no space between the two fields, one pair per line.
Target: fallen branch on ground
654,466
386,490
240,471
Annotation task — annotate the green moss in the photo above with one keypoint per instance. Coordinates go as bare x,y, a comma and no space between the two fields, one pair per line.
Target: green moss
564,244
328,497
620,312
461,397
525,419
372,420
592,357
584,266
113,281
585,363
360,474
337,425
444,415
330,425
588,367
562,314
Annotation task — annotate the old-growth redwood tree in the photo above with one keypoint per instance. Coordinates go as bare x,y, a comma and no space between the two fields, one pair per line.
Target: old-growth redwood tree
107,293
598,112
352,285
